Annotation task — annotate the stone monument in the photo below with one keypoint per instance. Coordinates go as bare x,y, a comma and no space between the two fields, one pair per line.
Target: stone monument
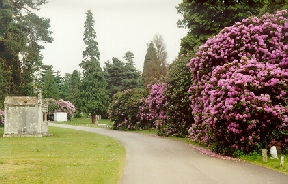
25,116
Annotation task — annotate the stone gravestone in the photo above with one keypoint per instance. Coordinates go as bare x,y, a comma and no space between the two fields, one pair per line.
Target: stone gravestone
25,116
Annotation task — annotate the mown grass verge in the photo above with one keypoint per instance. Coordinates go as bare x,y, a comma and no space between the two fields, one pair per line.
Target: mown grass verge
86,122
69,156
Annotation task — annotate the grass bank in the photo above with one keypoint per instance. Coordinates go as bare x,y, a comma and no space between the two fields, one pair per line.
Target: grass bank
69,156
86,122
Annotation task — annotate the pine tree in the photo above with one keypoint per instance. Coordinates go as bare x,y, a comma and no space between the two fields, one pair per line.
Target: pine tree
121,76
74,88
94,99
21,33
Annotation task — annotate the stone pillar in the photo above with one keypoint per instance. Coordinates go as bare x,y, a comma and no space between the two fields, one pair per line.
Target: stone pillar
264,155
40,115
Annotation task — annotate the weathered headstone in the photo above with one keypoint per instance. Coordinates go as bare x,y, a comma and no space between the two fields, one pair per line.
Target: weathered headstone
264,155
25,116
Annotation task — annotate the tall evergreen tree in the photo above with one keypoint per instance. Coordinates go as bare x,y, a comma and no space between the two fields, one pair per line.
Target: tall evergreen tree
121,76
74,88
93,87
148,68
65,90
114,73
20,36
155,64
133,78
50,89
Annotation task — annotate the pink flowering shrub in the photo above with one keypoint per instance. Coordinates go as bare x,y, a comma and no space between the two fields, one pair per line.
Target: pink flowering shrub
153,109
61,106
240,85
245,105
1,117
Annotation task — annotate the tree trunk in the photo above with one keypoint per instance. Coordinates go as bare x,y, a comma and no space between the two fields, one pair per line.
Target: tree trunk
93,119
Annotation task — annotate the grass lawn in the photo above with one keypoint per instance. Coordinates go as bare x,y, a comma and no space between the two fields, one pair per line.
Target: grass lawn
86,122
271,163
69,156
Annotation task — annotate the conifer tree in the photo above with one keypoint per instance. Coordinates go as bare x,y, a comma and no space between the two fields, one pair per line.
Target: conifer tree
94,99
50,89
155,64
21,34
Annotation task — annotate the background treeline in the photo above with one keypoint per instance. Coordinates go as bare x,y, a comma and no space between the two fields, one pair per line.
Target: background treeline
187,98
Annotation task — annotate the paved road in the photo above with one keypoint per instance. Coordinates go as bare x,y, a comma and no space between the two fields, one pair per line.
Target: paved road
154,160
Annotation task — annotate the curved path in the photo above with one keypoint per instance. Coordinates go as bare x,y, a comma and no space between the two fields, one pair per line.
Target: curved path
154,160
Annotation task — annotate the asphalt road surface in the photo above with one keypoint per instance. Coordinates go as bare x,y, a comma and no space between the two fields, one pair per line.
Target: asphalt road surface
154,160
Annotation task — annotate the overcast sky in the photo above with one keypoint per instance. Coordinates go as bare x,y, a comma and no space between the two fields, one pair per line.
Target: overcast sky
120,25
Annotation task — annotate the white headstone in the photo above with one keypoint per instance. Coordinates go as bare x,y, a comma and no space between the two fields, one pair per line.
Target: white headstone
273,152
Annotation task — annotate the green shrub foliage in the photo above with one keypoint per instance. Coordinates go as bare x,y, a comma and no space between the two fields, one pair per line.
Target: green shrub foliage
124,110
178,110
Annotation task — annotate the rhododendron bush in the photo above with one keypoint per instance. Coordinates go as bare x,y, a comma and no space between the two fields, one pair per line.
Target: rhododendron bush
178,111
153,108
1,117
124,109
239,90
61,106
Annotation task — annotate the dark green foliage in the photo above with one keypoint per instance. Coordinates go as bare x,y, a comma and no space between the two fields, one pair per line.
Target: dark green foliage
122,76
4,83
93,95
91,51
179,117
114,74
133,78
20,35
50,89
125,108
74,84
205,18
65,87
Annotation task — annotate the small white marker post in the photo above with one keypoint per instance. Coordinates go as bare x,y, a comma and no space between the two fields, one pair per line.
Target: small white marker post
282,161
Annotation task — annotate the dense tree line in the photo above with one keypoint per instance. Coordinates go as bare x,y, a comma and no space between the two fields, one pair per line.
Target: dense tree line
205,18
21,34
